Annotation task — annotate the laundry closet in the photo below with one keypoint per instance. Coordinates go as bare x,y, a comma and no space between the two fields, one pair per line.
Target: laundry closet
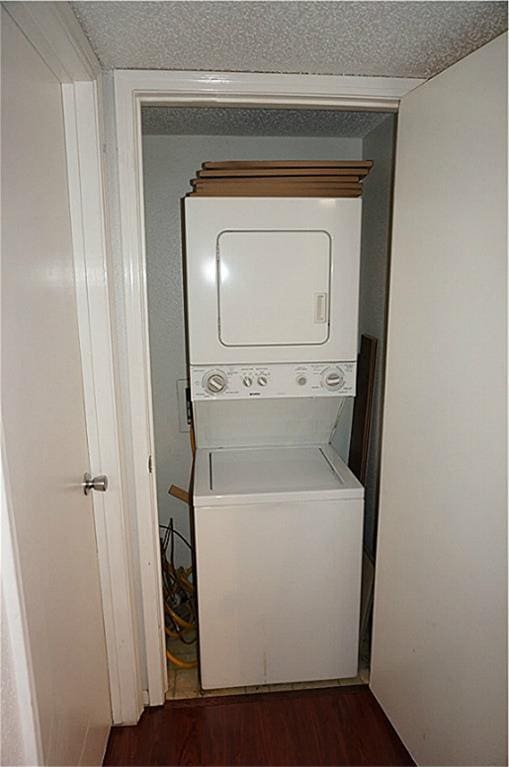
176,142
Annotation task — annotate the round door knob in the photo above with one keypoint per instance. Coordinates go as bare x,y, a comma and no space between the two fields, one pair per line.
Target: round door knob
263,380
215,382
99,483
247,381
333,380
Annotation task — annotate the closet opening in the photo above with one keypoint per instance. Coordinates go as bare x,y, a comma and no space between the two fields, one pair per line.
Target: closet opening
176,141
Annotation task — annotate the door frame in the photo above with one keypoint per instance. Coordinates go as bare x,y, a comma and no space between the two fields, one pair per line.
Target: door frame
54,32
128,91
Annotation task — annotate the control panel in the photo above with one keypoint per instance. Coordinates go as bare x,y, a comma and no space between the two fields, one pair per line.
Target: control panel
324,379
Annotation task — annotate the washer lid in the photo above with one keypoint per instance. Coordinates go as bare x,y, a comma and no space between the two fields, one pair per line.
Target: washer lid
257,475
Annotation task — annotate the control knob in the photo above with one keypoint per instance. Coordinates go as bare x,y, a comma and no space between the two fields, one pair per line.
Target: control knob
215,382
333,379
263,380
247,381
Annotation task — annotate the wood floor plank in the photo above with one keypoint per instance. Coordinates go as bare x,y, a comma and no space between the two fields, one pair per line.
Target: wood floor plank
337,726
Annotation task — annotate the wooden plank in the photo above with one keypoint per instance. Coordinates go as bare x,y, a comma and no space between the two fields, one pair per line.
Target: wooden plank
283,172
358,457
279,192
179,493
280,185
271,182
363,407
260,191
294,180
242,164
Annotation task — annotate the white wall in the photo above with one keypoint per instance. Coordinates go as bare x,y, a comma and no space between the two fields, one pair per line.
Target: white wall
376,216
20,735
13,746
169,164
440,622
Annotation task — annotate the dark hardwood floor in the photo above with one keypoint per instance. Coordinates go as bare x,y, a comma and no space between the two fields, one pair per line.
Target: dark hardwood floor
336,726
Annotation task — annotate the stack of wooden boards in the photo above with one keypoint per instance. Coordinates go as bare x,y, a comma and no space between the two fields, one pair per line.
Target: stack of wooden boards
281,178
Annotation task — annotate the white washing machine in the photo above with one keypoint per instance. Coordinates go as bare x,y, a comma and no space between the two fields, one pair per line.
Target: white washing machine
272,303
278,535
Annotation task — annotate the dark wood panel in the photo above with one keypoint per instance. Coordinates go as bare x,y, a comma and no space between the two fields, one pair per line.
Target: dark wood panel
337,726
363,408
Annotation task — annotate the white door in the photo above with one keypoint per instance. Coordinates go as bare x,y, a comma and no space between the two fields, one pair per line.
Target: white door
439,645
43,415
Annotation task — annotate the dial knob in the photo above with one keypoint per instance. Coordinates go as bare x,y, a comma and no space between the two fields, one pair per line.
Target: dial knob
247,381
263,380
215,382
302,380
333,379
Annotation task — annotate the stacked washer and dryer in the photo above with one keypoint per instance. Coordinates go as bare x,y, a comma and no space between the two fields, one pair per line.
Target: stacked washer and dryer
272,307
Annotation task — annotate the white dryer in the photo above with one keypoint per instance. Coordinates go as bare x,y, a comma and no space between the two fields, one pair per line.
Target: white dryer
278,535
272,279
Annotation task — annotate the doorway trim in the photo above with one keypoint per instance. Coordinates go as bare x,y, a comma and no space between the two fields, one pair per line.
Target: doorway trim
127,92
86,198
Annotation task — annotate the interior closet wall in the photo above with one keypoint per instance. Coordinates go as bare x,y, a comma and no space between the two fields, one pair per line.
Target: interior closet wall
378,146
169,162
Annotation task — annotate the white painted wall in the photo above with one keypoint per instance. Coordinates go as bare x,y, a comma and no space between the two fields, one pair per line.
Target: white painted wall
20,733
13,745
378,146
169,164
440,621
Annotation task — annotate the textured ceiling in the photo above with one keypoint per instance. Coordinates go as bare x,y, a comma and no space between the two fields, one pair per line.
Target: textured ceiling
393,39
210,121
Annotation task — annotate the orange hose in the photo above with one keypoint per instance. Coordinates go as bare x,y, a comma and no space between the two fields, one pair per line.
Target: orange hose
175,634
179,662
178,620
